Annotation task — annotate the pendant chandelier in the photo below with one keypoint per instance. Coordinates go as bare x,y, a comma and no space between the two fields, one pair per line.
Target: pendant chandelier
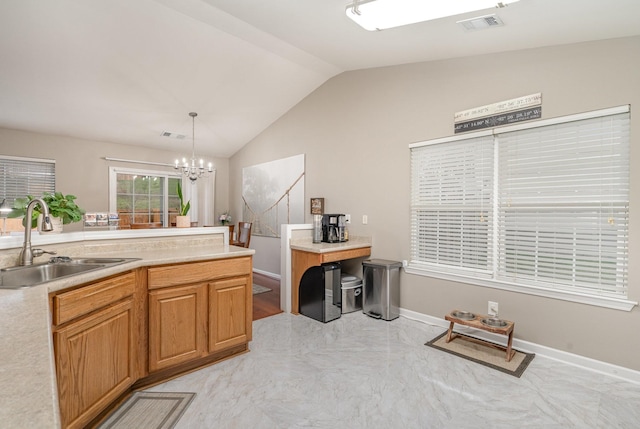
190,169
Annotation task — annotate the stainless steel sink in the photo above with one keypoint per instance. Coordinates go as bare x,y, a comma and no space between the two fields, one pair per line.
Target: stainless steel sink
32,275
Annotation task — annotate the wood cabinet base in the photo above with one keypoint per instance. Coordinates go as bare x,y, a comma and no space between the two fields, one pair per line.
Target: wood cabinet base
180,370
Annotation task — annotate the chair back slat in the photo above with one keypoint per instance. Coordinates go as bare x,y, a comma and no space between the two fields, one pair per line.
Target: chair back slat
244,234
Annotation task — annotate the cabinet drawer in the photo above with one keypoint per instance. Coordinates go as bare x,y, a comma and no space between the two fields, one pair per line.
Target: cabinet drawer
69,305
175,275
346,254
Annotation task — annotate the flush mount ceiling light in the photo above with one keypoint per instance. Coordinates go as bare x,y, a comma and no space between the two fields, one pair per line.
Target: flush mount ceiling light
190,169
381,14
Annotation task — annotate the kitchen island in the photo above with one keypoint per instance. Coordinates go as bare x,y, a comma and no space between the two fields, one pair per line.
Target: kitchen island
28,385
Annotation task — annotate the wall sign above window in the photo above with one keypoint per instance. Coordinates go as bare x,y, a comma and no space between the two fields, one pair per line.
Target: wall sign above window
502,113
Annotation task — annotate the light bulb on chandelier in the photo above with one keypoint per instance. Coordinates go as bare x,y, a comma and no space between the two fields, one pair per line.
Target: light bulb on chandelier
190,169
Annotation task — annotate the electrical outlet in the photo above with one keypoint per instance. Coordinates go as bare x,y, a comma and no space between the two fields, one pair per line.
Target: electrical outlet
493,308
347,218
365,219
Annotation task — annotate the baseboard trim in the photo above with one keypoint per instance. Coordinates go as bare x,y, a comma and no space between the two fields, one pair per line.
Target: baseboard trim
594,365
267,274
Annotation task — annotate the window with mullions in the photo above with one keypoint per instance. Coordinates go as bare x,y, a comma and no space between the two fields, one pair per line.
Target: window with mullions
144,196
540,207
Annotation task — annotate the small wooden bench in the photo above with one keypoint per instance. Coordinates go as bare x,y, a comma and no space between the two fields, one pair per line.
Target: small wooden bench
476,322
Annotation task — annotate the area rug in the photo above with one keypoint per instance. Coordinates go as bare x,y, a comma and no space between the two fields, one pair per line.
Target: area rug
483,354
149,410
260,289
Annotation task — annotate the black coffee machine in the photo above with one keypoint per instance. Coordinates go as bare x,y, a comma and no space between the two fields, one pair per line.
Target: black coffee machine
334,228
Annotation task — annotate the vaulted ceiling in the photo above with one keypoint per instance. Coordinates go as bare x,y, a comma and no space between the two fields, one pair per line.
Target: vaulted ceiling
128,70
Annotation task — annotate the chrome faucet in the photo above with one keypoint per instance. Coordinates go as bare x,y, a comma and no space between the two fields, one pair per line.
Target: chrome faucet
27,254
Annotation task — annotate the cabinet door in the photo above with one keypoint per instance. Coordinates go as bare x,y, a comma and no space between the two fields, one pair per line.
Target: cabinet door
230,314
95,362
177,325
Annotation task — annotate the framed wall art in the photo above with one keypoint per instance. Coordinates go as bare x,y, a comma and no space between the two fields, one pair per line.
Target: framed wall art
273,195
317,206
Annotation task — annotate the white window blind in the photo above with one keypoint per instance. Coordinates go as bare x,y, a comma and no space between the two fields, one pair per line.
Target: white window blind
563,205
534,207
452,204
20,177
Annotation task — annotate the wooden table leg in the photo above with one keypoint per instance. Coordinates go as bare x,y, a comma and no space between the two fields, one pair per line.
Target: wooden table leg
449,332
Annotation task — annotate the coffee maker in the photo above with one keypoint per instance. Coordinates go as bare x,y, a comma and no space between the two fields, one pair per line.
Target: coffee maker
334,228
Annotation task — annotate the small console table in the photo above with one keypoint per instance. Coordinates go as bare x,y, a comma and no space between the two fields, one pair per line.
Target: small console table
304,257
485,323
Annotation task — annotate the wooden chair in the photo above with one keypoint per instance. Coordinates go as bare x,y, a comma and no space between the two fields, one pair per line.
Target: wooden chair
244,234
231,227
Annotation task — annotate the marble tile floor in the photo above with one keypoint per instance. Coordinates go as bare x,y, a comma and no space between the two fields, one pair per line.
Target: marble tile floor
358,372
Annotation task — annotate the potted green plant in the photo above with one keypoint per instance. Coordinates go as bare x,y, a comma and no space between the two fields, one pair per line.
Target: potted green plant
183,220
62,209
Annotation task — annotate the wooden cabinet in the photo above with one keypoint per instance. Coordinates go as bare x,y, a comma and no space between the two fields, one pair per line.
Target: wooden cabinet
95,337
143,327
198,309
230,314
302,260
177,325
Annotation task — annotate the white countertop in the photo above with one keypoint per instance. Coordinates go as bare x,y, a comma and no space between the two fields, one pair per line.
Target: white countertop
28,391
307,245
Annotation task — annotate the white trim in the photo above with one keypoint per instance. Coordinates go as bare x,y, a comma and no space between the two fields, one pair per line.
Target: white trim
467,136
563,119
267,274
286,231
597,366
600,301
15,241
22,158
113,186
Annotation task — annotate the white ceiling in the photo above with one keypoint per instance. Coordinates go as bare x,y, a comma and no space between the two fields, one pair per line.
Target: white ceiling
127,70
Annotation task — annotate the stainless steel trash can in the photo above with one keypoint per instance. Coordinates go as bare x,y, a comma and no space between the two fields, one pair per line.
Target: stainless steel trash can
381,288
351,293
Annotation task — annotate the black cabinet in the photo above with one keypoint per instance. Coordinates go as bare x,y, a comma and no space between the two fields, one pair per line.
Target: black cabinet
320,292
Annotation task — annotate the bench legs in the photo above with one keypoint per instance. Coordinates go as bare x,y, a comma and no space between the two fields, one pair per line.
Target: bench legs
510,353
450,333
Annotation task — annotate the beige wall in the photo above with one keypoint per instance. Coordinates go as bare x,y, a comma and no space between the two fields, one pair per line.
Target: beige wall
355,131
81,169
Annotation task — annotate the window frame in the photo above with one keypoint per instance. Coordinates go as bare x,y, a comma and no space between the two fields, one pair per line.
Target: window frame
113,187
494,281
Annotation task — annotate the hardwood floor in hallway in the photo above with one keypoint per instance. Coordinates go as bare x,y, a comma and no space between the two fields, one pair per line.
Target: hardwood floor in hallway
268,303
